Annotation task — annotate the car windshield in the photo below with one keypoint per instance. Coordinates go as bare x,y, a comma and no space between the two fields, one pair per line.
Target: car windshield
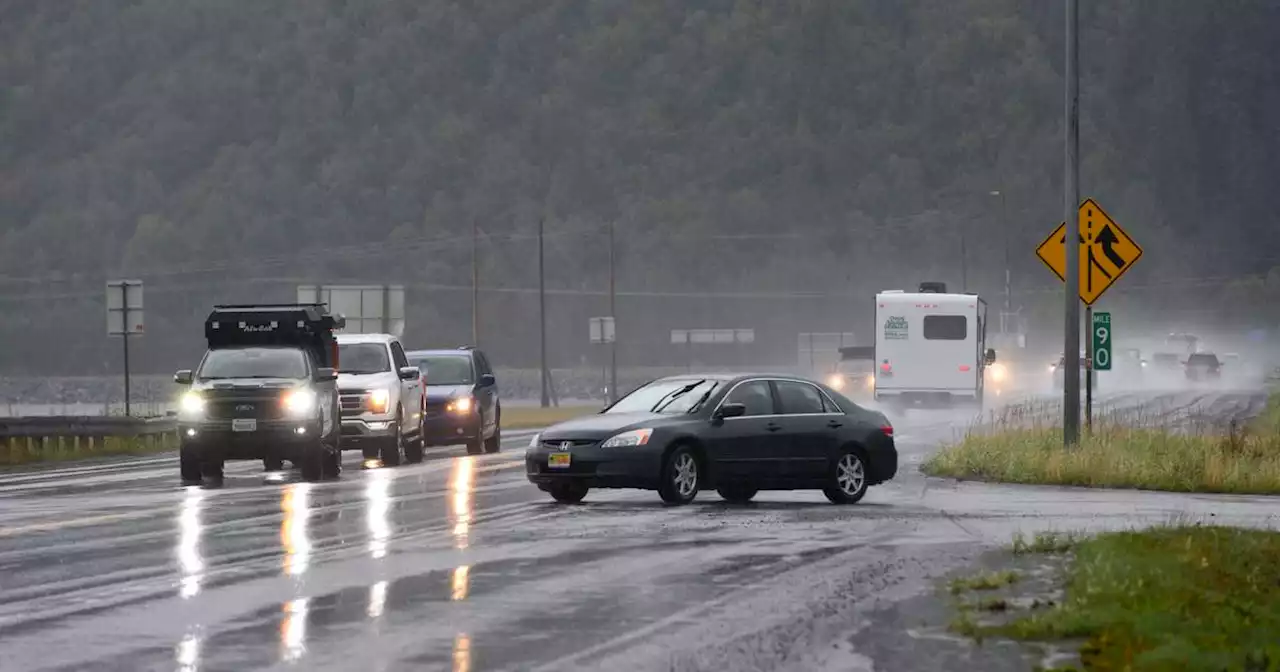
445,369
253,363
357,358
671,396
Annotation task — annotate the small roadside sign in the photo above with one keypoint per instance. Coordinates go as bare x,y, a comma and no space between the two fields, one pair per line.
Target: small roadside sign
601,330
1102,336
1106,251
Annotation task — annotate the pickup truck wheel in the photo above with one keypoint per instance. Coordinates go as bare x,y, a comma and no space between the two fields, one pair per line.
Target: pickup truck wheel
475,447
331,463
493,444
189,465
414,449
211,472
272,464
312,463
392,448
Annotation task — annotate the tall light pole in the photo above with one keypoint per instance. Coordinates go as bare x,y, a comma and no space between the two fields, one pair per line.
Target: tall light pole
613,315
475,284
1070,208
542,319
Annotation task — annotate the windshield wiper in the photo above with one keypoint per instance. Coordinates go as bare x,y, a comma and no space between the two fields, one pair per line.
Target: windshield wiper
702,400
670,397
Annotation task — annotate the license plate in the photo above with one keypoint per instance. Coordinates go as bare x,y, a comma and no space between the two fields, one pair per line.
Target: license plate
244,425
558,460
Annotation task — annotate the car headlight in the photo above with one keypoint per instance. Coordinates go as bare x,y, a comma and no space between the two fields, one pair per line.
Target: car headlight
535,440
379,400
299,402
635,437
191,404
460,405
871,382
835,381
998,373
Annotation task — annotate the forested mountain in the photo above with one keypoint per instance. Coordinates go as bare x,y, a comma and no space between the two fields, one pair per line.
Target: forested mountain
195,144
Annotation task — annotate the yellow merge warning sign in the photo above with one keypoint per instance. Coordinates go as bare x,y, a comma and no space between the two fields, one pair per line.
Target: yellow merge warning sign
1106,251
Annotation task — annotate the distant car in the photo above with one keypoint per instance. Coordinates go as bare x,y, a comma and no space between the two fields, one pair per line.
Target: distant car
738,434
463,403
1203,366
1059,375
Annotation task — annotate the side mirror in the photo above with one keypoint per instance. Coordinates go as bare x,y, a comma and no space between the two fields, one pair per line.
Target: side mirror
183,377
410,373
731,411
991,356
325,374
487,380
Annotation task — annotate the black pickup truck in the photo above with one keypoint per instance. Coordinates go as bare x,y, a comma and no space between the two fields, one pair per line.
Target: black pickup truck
266,389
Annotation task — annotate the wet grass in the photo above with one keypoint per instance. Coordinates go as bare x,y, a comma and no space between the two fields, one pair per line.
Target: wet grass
1044,542
984,581
19,452
534,417
1170,598
1144,450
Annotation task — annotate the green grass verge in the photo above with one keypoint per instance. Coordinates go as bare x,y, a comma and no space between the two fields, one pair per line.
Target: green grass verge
1171,598
1115,454
19,452
534,417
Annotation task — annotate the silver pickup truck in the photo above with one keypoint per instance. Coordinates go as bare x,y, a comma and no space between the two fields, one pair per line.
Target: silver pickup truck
381,398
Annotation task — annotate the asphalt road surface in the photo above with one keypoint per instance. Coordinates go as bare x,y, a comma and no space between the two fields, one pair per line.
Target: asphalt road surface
459,564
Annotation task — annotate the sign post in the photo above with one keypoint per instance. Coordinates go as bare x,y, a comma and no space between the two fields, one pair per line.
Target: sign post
1105,252
124,318
603,331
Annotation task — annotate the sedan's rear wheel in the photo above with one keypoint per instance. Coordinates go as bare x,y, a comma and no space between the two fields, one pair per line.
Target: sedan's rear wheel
679,484
849,479
568,493
737,494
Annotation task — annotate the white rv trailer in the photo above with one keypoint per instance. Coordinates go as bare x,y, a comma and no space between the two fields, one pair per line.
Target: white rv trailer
930,347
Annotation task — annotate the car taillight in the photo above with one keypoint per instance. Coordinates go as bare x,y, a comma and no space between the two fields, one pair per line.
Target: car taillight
887,429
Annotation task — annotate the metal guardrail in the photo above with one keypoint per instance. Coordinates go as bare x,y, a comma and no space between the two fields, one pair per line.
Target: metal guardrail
83,431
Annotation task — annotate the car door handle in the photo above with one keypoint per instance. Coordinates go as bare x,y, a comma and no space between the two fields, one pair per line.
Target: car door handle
773,427
834,425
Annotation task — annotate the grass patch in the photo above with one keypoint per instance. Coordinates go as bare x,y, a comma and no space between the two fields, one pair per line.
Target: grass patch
984,581
1172,598
1146,452
535,417
1044,543
19,452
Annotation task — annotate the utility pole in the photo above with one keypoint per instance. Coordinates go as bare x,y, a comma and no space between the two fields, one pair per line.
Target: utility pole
542,317
613,314
1008,285
475,284
124,338
1070,214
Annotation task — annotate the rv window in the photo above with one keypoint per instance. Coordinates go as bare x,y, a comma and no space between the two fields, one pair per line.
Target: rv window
946,327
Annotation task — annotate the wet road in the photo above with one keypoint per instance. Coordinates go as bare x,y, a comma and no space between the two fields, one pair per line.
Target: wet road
459,564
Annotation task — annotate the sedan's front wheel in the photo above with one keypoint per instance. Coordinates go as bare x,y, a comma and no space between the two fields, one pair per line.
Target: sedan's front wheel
568,493
679,484
849,481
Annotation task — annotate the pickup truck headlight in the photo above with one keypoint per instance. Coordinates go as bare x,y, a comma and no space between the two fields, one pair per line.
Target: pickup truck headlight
460,405
535,440
299,402
635,437
379,400
191,404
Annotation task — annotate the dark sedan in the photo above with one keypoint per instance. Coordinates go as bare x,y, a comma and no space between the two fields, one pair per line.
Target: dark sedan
738,434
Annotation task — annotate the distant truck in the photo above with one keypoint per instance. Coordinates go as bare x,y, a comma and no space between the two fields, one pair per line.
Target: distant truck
266,389
930,347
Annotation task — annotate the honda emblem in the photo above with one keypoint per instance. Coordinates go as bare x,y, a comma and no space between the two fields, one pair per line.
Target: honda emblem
566,445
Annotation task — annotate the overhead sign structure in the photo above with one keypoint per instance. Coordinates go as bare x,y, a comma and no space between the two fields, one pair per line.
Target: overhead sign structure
1100,332
602,330
1106,251
368,309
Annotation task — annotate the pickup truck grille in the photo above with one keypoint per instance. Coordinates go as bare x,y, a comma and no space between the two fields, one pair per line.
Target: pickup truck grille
258,406
352,403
